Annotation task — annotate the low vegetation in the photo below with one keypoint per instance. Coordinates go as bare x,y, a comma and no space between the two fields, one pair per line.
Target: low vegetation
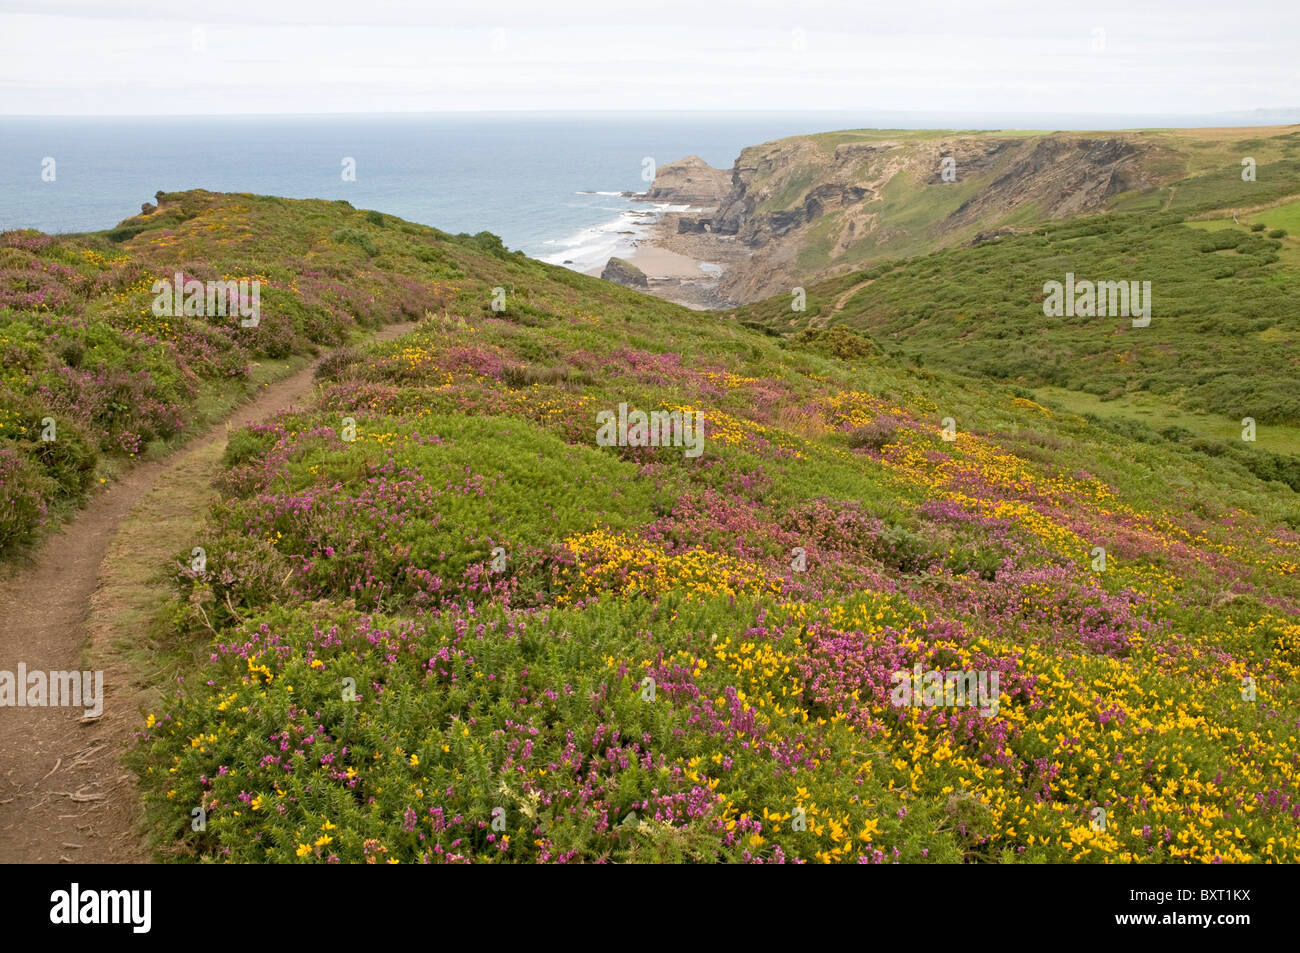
435,622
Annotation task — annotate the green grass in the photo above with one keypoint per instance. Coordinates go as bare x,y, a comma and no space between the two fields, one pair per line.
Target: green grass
1283,216
1160,414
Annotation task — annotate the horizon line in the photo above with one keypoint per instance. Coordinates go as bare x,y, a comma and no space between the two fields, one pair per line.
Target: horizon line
655,112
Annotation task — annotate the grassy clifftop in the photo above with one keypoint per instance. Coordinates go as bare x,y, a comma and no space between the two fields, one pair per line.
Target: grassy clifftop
437,621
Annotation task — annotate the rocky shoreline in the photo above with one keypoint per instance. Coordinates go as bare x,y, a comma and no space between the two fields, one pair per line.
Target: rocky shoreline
678,260
687,266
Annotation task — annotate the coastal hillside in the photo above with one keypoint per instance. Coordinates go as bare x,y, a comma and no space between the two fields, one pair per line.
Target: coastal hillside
1210,365
812,207
96,375
462,605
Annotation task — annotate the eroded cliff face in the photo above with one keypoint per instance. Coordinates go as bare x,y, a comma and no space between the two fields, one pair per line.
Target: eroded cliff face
810,207
1063,176
690,181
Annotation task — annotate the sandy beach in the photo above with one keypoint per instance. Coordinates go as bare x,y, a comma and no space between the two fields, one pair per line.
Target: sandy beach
660,263
686,267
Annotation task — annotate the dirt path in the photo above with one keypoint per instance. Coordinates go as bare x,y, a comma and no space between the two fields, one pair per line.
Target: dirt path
64,796
1244,210
843,300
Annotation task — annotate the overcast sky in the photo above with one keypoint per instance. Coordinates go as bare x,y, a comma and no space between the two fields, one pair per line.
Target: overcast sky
112,57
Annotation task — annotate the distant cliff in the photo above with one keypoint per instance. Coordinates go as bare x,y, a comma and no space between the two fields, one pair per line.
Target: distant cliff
690,181
810,207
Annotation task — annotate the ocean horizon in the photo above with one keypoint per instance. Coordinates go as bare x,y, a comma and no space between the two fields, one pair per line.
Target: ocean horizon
553,185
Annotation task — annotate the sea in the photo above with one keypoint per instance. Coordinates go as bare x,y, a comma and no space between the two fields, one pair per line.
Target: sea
552,185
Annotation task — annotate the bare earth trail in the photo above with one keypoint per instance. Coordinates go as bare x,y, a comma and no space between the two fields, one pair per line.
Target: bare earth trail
64,796
1244,210
843,300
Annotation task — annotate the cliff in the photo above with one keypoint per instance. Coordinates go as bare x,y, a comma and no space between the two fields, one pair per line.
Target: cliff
811,207
690,181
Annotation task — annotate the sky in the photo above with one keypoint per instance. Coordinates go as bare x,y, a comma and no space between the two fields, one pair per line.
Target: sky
172,57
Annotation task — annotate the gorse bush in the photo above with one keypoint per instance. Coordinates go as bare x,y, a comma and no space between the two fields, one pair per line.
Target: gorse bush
837,341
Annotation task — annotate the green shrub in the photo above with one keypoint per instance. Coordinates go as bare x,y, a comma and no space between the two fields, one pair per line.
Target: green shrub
72,353
1125,427
837,341
69,461
23,491
359,239
1213,448
485,242
1270,466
